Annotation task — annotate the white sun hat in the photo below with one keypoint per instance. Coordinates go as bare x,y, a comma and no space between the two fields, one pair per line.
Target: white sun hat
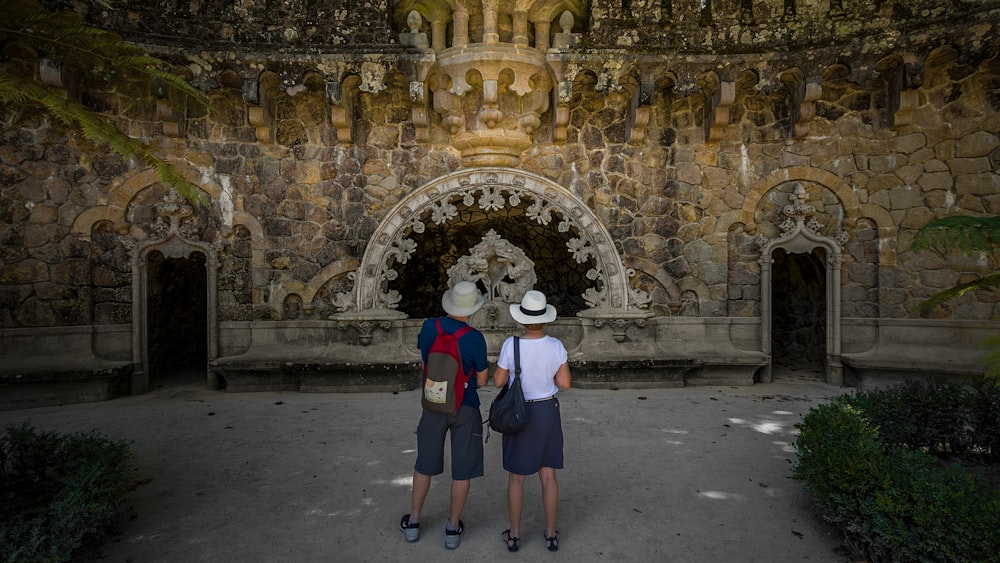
462,300
533,309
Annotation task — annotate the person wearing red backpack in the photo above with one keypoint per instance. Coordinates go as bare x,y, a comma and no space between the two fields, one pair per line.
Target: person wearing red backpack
465,426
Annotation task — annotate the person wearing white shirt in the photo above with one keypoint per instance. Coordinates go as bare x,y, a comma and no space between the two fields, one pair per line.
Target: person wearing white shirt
538,447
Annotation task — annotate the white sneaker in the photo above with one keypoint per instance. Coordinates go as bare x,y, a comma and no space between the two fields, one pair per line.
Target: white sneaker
411,531
452,538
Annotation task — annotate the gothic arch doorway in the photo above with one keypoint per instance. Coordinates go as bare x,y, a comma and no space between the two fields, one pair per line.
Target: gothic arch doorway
176,318
800,277
799,312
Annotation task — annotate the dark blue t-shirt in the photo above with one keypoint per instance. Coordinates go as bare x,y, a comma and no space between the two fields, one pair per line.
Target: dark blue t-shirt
472,346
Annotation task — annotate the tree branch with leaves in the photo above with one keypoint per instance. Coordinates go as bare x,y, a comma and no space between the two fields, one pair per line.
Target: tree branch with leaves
101,56
973,236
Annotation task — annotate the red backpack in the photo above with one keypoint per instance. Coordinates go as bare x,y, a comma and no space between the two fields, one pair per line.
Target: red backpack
444,381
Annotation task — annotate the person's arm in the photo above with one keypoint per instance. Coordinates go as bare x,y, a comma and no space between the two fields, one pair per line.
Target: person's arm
500,377
562,377
481,377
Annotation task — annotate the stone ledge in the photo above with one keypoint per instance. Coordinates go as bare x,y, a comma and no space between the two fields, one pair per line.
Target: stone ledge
79,383
887,364
261,370
630,374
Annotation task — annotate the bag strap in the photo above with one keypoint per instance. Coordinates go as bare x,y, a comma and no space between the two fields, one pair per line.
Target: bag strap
517,356
458,333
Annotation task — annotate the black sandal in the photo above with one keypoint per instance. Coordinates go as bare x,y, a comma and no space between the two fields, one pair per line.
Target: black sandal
553,542
510,541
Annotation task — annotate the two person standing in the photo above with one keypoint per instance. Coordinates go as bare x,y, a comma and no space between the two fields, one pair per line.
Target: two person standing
538,448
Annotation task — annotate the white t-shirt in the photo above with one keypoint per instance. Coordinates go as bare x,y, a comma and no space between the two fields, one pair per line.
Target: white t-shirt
540,359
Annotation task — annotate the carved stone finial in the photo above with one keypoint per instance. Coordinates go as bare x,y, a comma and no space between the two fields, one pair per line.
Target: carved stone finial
566,21
798,209
413,21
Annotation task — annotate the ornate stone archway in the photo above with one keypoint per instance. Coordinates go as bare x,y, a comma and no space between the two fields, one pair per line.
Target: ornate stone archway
174,240
490,189
799,234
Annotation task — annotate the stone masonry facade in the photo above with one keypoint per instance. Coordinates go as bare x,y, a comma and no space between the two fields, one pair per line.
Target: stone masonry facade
681,127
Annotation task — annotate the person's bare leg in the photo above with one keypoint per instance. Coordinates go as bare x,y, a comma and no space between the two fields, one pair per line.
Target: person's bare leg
515,502
459,494
550,499
421,484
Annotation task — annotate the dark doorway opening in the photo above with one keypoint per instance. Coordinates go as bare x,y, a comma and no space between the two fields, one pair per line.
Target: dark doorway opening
422,279
799,313
177,319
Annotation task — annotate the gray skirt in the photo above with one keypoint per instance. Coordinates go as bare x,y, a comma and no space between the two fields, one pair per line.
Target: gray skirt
537,445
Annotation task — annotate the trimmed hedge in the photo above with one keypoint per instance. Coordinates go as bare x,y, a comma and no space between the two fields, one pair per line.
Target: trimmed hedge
878,466
61,492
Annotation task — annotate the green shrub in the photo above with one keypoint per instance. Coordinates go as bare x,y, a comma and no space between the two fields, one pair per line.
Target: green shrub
986,406
892,500
61,491
935,416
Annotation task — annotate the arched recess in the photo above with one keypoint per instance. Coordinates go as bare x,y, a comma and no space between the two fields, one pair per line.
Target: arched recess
175,242
799,234
490,188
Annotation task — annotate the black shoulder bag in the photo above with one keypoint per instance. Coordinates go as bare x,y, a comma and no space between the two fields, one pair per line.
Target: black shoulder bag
509,410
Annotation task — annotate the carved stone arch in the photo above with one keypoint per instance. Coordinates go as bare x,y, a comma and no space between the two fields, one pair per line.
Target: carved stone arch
173,241
800,234
491,188
645,266
122,194
830,181
344,97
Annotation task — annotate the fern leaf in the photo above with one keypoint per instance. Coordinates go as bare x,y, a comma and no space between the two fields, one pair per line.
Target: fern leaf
968,234
987,282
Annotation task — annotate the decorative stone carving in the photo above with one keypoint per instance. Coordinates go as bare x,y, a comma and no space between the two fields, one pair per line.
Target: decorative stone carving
619,326
719,98
502,268
800,233
490,95
565,39
414,38
170,215
491,189
365,328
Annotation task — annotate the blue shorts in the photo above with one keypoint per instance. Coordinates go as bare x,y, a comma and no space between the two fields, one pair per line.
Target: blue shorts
537,445
466,429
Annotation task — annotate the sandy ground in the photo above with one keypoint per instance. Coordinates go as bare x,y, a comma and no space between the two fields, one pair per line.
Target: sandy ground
685,475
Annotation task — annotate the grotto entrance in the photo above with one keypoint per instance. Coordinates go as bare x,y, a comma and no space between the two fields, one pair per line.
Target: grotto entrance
799,315
176,318
516,243
506,213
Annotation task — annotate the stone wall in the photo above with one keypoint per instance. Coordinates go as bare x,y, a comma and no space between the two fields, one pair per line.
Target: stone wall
684,132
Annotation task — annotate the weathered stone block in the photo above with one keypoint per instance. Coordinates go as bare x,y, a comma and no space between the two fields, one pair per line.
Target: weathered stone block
977,184
979,143
907,144
935,181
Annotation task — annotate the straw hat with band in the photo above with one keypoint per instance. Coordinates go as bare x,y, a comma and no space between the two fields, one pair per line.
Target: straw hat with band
462,300
533,309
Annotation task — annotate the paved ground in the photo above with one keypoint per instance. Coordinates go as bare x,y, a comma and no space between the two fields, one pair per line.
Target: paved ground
676,475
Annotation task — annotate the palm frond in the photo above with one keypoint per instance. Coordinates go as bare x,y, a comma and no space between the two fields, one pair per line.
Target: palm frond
98,131
987,282
968,234
62,36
